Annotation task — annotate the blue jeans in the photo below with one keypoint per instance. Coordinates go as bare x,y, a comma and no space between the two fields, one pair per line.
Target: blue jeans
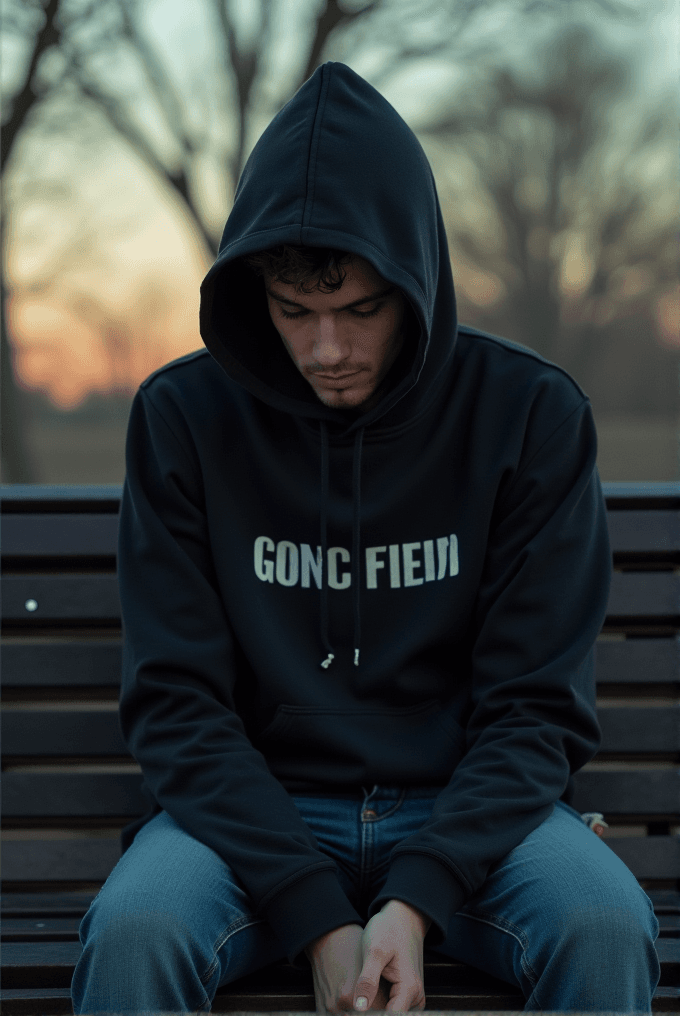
560,916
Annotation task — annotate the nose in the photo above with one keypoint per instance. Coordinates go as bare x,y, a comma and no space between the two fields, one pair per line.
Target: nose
329,347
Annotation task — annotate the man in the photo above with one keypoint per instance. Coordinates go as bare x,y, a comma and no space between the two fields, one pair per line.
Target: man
361,546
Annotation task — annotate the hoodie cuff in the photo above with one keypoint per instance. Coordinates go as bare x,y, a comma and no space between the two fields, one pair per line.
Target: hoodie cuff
422,881
309,908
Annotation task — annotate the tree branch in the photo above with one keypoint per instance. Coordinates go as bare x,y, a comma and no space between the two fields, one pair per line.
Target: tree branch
126,129
331,17
161,84
49,35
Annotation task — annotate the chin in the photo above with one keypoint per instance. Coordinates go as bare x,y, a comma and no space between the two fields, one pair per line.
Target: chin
340,400
347,399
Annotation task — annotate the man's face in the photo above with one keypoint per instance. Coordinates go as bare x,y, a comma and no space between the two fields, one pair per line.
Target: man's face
344,342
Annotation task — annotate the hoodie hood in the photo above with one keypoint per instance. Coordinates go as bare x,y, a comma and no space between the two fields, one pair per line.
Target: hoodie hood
336,167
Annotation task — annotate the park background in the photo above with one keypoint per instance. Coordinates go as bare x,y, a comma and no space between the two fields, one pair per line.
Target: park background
553,133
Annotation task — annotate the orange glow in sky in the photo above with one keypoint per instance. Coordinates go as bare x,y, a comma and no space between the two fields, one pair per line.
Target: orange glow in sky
91,329
61,356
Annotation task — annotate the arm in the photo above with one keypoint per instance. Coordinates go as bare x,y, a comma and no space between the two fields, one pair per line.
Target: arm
533,723
177,707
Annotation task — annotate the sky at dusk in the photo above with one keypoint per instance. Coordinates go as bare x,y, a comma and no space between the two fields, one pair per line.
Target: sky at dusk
106,275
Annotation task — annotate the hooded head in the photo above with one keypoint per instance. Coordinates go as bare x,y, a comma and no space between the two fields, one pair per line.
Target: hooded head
337,168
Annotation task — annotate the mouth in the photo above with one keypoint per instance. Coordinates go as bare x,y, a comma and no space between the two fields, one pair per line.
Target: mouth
337,377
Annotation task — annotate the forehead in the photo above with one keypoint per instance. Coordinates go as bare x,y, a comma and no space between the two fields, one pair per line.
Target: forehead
359,274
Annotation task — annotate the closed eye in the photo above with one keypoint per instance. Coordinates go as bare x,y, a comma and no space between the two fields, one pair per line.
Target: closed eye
356,313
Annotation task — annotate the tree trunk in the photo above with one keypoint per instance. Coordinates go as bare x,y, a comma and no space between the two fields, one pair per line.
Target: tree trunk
17,464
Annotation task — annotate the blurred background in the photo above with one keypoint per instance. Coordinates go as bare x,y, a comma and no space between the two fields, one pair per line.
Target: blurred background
553,133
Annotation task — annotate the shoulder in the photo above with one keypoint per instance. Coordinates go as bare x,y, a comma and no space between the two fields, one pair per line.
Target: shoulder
193,395
515,372
193,382
515,395
511,357
178,371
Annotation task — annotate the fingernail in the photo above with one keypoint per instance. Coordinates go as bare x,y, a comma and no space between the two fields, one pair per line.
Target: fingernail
361,1002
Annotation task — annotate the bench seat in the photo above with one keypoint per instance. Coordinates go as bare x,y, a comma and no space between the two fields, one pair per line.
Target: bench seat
69,784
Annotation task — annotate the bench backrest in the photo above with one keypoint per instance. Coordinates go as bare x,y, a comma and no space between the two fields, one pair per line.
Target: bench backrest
69,783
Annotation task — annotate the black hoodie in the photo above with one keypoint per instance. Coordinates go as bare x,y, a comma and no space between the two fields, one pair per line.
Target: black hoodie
460,524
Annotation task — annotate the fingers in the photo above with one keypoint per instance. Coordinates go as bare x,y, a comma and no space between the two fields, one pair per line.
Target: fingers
407,1001
377,1001
368,984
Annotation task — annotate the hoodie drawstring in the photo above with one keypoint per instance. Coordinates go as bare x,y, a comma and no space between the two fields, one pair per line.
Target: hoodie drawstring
356,543
324,546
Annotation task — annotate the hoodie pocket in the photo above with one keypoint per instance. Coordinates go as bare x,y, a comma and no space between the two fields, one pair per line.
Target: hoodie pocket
414,745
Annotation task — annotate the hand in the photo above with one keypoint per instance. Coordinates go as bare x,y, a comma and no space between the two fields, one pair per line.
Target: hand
392,945
336,960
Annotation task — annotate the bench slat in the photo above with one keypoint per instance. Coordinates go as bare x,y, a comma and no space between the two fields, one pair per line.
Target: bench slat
54,961
70,904
644,594
69,597
64,734
649,729
33,929
52,535
70,795
71,662
634,792
56,1001
65,929
93,860
636,531
86,860
85,596
73,534
59,904
468,1001
61,733
637,661
648,856
61,662
99,795
22,961
58,958
29,1001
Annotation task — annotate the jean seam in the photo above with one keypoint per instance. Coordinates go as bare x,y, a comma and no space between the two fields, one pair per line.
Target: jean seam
367,845
232,929
501,924
392,810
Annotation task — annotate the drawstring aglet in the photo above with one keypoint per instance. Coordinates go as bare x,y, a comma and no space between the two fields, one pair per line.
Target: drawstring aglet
356,657
595,821
327,662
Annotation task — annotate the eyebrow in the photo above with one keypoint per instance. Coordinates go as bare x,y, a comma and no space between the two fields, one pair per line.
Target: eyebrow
354,303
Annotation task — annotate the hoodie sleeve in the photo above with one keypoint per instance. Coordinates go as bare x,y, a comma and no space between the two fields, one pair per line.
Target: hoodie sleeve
533,724
176,707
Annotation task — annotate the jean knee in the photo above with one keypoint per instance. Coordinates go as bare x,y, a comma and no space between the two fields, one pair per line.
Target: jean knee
627,927
132,928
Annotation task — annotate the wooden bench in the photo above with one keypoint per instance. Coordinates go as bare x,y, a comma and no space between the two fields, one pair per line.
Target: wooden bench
69,783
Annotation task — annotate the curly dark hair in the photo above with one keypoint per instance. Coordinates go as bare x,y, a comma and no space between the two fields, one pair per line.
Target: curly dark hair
306,268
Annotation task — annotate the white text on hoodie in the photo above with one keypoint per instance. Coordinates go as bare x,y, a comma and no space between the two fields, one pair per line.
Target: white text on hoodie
407,564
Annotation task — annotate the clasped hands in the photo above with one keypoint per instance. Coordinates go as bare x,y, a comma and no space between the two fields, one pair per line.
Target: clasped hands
382,963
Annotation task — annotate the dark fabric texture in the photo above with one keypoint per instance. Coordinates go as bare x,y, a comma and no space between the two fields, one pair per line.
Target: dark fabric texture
483,570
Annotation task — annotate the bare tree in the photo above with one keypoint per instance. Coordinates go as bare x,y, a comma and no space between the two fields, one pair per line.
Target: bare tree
90,35
83,33
555,219
16,461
